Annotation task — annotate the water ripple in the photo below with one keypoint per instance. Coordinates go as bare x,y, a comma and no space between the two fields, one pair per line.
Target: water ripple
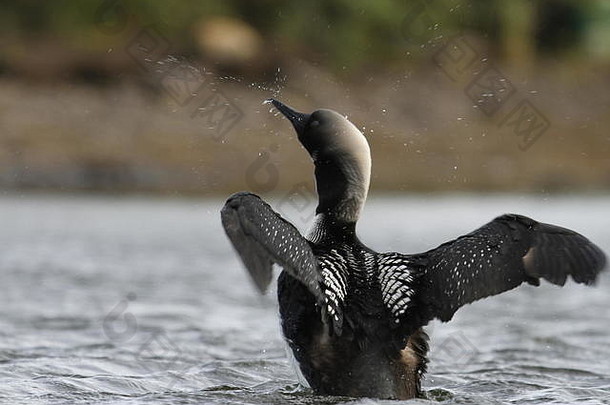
143,301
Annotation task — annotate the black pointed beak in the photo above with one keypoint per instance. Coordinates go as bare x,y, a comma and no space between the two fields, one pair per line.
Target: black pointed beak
298,119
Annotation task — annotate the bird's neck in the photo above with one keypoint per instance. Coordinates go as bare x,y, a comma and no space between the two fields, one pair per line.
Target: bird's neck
342,185
328,229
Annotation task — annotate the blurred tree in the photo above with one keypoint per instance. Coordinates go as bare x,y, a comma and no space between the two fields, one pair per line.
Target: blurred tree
517,24
560,26
346,36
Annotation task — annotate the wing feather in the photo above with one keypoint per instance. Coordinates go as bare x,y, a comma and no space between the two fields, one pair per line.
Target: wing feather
262,237
497,257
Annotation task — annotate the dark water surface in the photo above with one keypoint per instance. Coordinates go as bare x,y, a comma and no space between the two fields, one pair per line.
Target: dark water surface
141,300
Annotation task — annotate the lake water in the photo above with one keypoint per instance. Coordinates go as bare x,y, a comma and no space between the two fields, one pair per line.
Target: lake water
142,301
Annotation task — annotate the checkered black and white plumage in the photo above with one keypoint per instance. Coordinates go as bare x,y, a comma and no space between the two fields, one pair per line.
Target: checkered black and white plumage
334,269
407,291
353,317
396,283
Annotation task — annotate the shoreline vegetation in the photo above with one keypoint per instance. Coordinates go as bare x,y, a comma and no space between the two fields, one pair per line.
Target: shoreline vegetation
83,109
120,138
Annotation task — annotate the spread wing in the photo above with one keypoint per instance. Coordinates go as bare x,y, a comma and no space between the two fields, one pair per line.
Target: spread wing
262,237
497,257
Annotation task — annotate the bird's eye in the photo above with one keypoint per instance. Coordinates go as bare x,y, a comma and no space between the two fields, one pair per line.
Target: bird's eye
314,123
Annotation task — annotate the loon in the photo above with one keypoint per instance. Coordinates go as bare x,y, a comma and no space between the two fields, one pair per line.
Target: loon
353,317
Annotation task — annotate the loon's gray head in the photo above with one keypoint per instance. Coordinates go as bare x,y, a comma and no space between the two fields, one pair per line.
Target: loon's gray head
341,156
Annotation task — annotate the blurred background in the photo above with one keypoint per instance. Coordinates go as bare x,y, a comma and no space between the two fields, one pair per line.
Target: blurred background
166,97
112,292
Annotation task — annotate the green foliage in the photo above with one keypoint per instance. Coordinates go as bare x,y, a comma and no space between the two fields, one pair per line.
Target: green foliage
342,34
